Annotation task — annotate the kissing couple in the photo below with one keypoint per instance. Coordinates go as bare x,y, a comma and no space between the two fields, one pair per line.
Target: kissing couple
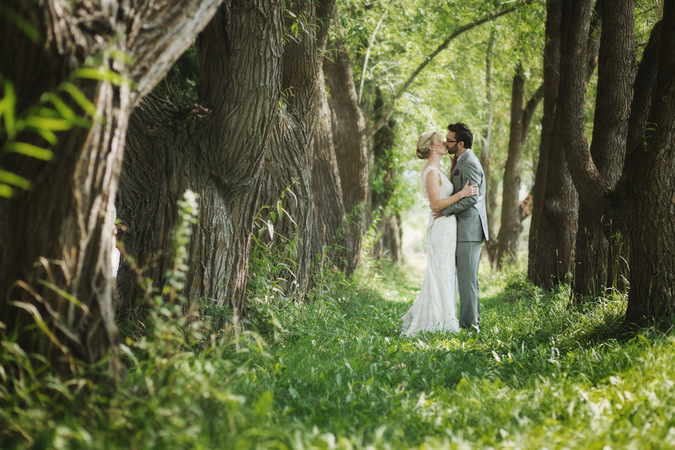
454,236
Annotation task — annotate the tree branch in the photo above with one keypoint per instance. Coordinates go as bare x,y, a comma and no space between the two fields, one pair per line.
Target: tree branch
371,42
529,110
389,108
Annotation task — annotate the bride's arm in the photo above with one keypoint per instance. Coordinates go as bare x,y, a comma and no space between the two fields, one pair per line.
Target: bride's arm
433,188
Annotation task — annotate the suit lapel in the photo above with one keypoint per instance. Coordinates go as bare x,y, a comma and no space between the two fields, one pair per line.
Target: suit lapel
461,161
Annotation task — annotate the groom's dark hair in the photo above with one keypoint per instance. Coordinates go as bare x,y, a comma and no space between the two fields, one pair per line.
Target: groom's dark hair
462,133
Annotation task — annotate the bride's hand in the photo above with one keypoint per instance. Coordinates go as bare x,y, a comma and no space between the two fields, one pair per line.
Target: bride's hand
469,190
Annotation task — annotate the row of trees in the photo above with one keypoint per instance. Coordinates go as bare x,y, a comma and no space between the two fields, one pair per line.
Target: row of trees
280,117
623,204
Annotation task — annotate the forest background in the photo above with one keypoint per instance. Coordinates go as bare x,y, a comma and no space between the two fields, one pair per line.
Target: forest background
290,126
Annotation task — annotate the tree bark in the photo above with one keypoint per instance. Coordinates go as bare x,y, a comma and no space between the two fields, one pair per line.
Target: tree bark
55,239
650,222
643,200
329,206
509,231
537,248
326,186
555,201
351,149
599,244
511,221
246,153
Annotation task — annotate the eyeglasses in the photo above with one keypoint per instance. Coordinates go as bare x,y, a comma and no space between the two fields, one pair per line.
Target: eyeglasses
449,141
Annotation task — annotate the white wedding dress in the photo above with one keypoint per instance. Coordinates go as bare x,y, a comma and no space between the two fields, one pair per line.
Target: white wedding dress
436,307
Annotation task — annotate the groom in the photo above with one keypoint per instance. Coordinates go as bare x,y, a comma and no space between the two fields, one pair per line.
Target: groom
472,227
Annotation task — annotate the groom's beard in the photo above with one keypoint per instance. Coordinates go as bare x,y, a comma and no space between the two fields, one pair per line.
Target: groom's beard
453,150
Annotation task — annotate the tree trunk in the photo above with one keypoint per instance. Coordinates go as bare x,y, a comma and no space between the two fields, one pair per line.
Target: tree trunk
599,245
509,231
486,153
643,199
511,220
537,248
650,222
555,201
351,150
55,239
244,154
329,209
388,243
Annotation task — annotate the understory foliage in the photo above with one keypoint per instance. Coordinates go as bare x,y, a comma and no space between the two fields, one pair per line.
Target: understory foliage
333,372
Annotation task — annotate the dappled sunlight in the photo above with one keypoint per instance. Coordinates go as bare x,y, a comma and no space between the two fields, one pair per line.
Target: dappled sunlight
527,377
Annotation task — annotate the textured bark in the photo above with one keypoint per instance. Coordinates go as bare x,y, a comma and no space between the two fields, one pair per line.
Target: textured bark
509,231
59,232
511,219
643,200
555,201
326,186
599,245
390,239
537,254
351,149
650,222
238,150
329,207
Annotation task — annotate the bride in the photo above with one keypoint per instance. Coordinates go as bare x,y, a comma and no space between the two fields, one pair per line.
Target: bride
436,307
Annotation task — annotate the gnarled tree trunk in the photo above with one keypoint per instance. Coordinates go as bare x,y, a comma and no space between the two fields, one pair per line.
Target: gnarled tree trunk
643,200
55,239
555,200
599,243
238,149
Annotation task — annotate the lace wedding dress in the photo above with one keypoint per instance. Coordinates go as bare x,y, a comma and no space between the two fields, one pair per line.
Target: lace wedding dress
436,307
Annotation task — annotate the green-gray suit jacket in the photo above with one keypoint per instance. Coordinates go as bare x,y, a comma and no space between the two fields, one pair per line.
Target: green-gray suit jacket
470,211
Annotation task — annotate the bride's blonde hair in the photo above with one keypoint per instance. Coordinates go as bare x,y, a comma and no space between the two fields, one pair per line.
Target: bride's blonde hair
425,141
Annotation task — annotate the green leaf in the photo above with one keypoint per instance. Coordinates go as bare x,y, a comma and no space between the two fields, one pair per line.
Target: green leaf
6,191
263,406
66,112
100,74
72,299
81,99
29,150
14,179
7,107
270,230
48,123
39,321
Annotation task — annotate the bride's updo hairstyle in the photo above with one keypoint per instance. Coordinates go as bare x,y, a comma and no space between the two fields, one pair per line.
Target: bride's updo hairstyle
425,141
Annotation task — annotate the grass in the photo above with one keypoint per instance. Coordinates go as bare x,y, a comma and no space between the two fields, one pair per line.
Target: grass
334,373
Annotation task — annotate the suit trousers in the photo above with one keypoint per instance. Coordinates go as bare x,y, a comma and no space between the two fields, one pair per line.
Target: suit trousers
467,260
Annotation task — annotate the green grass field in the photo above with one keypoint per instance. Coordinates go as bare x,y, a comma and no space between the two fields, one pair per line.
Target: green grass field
334,373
